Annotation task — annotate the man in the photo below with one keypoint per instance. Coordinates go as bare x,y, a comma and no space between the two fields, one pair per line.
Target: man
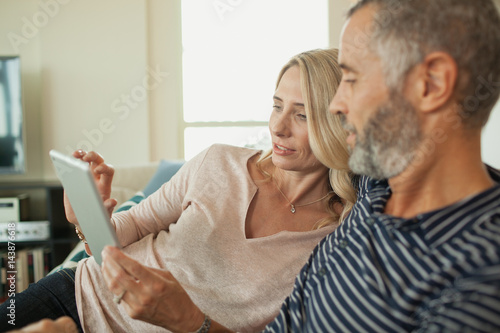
421,250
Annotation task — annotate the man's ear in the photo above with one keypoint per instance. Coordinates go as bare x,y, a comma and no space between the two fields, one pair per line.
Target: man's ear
436,81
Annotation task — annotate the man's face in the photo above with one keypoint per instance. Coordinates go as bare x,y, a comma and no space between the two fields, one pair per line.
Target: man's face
383,126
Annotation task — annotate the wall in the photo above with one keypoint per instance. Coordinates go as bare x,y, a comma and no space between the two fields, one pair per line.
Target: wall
491,139
93,63
11,13
165,50
96,75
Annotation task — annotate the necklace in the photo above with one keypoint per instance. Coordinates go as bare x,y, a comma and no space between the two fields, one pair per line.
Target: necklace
292,206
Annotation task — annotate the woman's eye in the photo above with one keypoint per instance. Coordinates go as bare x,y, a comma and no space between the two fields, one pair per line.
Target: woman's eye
350,81
302,116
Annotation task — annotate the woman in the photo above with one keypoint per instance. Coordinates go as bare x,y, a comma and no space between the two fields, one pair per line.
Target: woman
234,226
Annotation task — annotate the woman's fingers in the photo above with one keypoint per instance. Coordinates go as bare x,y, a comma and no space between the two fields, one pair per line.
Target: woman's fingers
102,172
93,157
119,281
143,287
151,295
96,162
114,274
79,153
110,205
122,264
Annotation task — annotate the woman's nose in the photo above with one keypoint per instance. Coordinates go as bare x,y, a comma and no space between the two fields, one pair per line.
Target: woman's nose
280,125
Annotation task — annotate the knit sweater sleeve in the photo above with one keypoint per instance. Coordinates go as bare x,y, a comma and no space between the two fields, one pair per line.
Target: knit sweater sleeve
159,210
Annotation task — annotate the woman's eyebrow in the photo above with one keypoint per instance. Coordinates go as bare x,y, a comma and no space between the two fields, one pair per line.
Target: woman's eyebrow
296,104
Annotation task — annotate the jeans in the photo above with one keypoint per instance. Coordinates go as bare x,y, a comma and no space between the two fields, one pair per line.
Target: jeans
51,297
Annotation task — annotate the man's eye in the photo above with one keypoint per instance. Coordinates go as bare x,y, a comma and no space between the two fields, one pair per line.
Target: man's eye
276,107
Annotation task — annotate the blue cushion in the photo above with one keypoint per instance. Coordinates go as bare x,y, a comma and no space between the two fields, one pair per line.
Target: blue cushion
165,171
138,197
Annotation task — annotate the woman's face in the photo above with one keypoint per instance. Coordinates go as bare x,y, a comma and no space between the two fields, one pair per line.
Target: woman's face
288,126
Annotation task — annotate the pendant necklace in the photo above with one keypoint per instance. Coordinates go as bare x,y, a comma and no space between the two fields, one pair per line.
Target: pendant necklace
292,206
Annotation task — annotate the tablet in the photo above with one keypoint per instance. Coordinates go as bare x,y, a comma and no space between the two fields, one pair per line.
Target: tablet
78,182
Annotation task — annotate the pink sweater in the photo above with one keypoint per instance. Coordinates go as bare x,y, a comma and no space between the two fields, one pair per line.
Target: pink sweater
194,226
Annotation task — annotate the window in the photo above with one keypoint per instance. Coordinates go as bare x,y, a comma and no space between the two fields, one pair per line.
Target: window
233,51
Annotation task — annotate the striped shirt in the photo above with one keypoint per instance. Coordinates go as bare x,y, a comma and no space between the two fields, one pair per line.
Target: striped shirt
439,271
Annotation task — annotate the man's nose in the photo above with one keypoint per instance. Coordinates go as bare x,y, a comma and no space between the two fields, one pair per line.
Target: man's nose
338,104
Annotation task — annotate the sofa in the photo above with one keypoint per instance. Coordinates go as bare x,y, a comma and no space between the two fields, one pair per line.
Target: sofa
131,184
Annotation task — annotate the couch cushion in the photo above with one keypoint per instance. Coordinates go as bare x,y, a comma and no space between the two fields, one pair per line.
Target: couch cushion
138,197
166,169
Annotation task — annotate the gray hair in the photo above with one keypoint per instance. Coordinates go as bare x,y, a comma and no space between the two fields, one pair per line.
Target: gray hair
406,31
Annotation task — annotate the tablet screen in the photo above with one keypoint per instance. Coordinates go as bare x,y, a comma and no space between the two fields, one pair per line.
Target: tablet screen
78,183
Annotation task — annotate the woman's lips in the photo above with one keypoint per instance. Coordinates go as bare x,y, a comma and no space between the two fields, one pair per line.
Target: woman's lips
282,150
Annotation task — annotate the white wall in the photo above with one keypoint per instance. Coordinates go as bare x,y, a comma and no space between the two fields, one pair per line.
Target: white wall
93,60
491,139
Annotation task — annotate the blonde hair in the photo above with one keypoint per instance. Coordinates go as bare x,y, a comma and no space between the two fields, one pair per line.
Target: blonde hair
320,77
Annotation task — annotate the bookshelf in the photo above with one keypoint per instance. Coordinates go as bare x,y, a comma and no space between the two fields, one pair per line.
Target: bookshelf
45,203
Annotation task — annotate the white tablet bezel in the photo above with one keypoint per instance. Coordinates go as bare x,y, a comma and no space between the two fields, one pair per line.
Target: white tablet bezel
78,183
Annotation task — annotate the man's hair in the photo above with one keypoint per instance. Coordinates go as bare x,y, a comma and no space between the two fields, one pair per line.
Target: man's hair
406,31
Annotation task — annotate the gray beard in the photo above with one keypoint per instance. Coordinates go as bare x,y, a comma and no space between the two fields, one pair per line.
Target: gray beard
390,140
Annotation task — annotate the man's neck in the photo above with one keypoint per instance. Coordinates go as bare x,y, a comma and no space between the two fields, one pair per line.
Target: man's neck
445,176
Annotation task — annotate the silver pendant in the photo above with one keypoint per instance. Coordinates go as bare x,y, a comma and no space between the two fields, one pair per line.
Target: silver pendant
293,209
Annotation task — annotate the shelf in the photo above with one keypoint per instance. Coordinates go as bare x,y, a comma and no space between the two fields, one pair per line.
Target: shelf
29,185
45,203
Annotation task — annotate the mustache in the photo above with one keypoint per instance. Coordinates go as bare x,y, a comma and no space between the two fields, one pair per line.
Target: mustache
347,126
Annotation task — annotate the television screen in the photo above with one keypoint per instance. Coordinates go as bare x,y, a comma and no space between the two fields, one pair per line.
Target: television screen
11,117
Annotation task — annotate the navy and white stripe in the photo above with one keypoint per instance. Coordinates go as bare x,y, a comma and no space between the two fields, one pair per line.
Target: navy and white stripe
439,271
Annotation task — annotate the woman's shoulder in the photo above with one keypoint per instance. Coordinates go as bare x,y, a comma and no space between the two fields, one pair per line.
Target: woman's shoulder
229,151
223,158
